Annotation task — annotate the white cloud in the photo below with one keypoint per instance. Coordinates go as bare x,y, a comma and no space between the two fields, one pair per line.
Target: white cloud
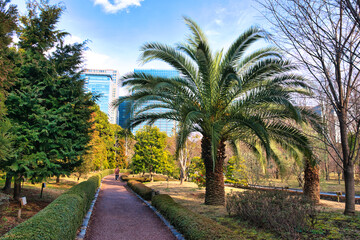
211,32
71,39
219,22
97,60
117,5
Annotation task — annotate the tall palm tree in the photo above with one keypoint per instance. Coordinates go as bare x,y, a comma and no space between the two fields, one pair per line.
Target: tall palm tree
227,96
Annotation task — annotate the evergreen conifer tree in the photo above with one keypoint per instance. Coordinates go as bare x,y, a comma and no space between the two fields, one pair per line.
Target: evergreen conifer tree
48,108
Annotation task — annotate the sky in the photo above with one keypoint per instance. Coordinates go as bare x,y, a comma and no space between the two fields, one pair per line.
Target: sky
116,29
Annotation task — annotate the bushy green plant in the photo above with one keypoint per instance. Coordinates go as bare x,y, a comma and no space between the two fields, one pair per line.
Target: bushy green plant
236,172
150,154
145,178
125,177
287,214
144,191
192,225
197,172
139,179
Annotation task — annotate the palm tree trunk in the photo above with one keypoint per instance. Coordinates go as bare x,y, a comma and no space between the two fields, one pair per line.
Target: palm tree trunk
214,192
312,182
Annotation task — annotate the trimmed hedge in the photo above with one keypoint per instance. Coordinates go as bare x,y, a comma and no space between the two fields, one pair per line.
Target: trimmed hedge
61,218
192,225
144,191
127,177
139,179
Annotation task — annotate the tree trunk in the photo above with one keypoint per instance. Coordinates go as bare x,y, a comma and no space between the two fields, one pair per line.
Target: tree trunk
17,187
182,166
327,167
277,173
182,176
349,190
215,192
57,179
348,166
7,186
312,182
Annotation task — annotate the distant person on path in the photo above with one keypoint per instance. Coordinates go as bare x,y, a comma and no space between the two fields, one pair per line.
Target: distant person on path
117,173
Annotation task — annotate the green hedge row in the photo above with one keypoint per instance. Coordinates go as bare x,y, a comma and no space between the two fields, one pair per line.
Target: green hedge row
144,191
60,219
139,179
127,177
192,225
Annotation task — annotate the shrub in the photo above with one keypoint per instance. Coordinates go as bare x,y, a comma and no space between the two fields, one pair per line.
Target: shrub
139,179
236,172
144,191
124,171
145,178
124,177
237,182
61,218
285,213
192,225
197,172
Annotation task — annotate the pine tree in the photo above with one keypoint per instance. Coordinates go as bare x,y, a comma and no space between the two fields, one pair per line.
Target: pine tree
8,24
48,108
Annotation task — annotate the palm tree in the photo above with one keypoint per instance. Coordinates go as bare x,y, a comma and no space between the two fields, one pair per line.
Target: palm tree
227,96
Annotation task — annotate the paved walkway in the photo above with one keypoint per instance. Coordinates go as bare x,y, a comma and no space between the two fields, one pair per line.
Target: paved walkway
119,214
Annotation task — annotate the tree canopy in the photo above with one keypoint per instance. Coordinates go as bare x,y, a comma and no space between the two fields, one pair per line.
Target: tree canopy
150,155
47,105
234,95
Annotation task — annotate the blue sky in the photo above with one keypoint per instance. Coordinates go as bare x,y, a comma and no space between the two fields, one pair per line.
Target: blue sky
118,28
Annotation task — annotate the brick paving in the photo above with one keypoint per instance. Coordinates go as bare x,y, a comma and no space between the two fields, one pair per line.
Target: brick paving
119,214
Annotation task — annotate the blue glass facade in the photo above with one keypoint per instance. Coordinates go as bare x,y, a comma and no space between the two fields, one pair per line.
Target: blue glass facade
100,85
125,110
163,125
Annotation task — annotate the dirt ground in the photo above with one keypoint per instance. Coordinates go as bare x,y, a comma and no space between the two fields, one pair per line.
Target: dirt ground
330,206
189,195
8,217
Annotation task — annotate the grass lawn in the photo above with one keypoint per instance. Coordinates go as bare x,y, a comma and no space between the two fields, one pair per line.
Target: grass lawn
8,217
331,224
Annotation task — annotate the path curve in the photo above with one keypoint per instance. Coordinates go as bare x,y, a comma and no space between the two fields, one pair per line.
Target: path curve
119,214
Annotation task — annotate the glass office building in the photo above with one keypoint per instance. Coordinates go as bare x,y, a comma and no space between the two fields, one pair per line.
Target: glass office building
125,111
163,125
103,83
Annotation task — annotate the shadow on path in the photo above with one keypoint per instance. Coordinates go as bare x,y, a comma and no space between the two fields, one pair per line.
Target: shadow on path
119,214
